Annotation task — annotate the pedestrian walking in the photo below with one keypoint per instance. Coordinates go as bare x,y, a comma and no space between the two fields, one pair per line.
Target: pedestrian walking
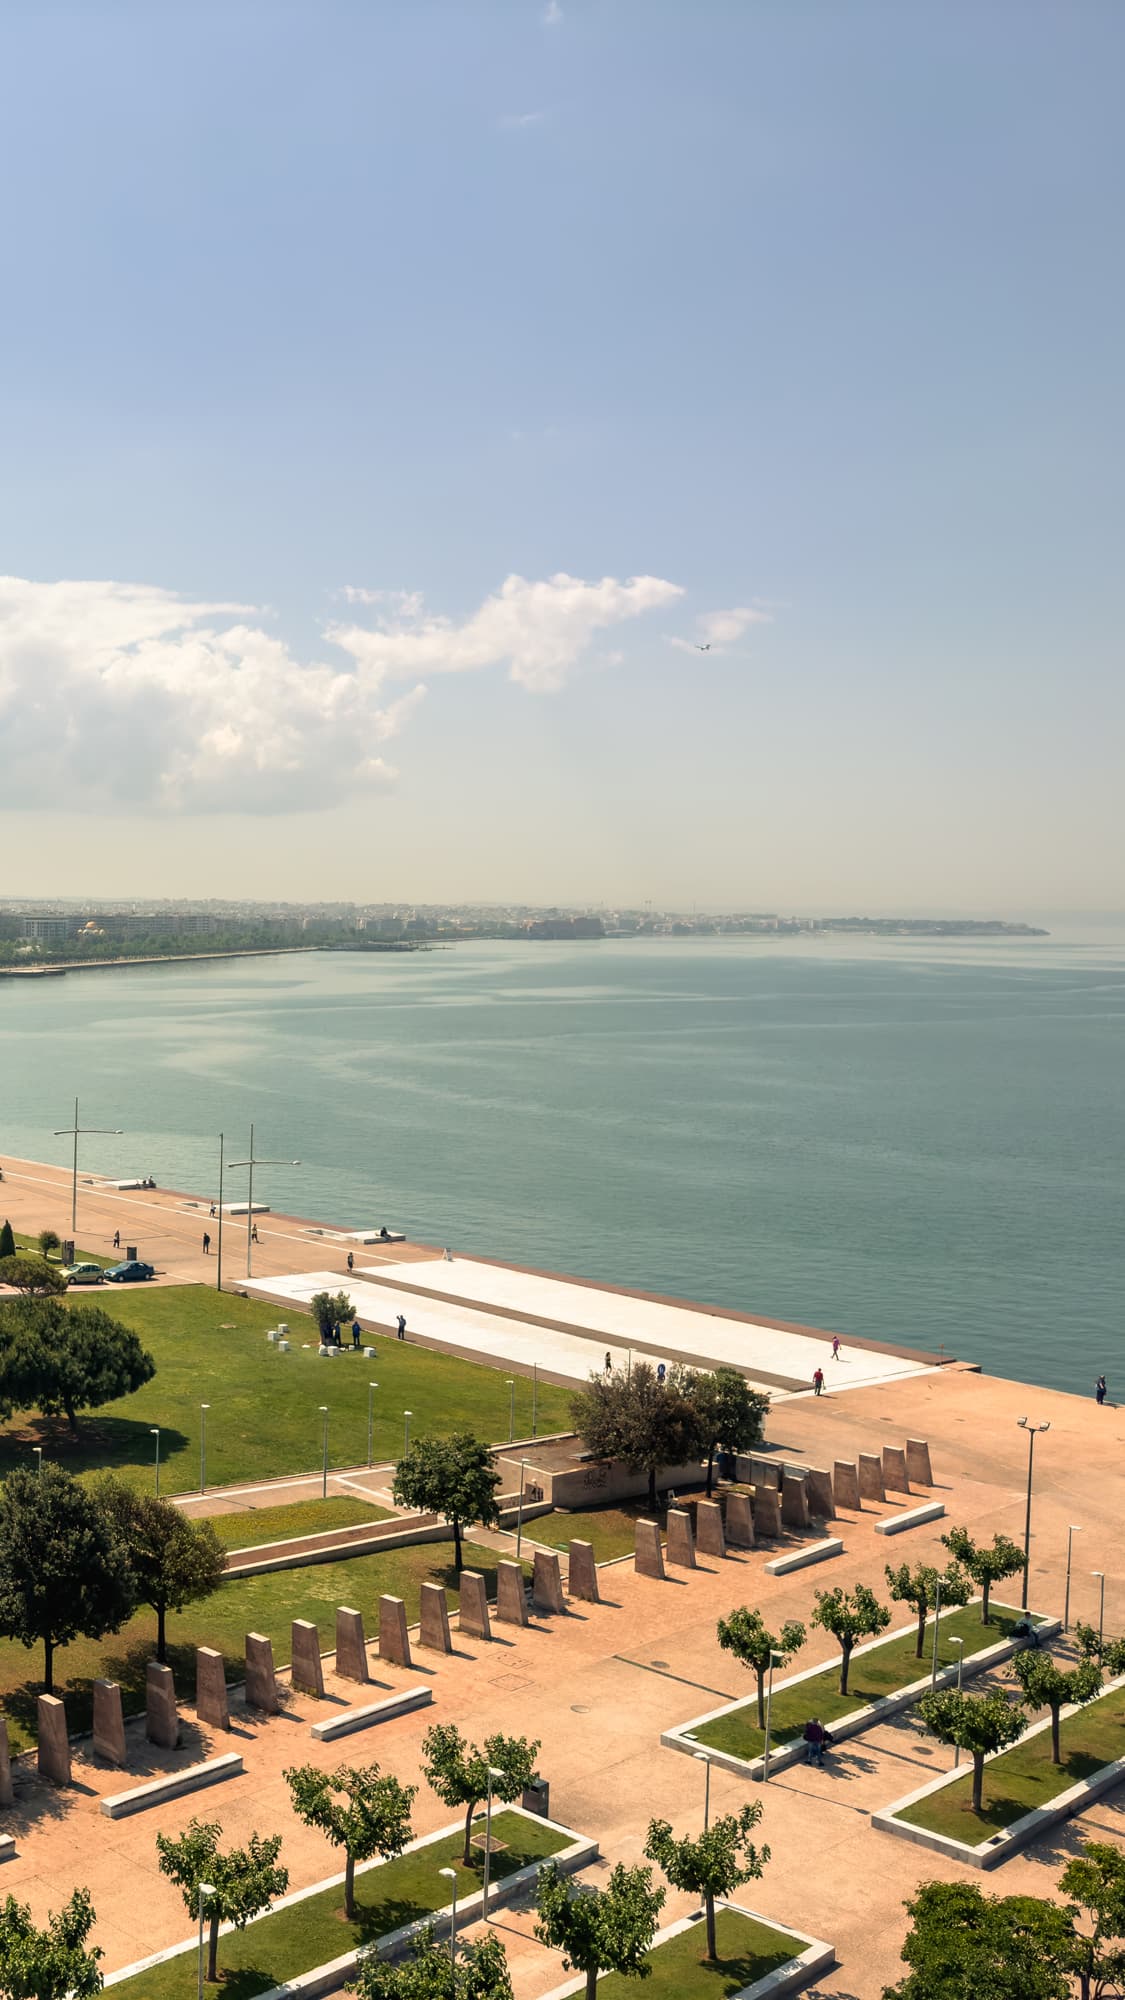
1100,1389
117,1239
608,1362
661,1372
835,1347
356,1333
815,1736
206,1244
351,1261
818,1381
253,1232
212,1208
401,1325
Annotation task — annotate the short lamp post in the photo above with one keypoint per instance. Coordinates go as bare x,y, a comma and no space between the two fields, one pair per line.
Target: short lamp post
511,1411
1074,1529
535,1399
769,1701
1033,1431
406,1416
937,1623
38,1450
519,1514
960,1645
156,1434
203,1889
493,1772
701,1757
371,1388
1101,1605
323,1407
451,1877
203,1409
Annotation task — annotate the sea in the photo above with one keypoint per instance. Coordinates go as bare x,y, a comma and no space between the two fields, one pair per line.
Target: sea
917,1141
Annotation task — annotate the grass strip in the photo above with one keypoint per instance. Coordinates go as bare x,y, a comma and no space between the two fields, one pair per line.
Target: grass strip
748,1950
1024,1778
874,1675
253,1526
313,1932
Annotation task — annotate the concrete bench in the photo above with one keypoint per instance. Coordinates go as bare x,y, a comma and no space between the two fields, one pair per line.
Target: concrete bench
173,1786
7,1847
372,1712
812,1552
913,1518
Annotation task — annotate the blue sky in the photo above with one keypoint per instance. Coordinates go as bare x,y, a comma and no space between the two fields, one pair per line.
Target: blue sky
809,311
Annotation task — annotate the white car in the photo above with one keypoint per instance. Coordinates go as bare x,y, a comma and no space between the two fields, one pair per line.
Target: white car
83,1274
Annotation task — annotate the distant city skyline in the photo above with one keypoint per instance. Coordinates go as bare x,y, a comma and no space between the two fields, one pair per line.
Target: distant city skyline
565,455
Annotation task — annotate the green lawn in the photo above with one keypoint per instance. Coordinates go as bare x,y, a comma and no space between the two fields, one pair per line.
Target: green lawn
276,1948
873,1676
612,1530
747,1951
80,1257
248,1530
245,1604
1024,1778
264,1417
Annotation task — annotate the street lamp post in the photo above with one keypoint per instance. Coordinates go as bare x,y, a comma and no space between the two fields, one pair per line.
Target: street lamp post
937,1622
203,1889
451,1876
1074,1529
492,1773
323,1407
219,1231
251,1163
960,1645
701,1757
74,1132
511,1411
38,1450
1033,1431
519,1513
1101,1607
156,1434
406,1416
203,1409
535,1399
371,1388
769,1700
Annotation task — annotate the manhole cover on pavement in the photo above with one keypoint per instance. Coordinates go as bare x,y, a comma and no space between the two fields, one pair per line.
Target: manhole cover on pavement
662,1664
579,1708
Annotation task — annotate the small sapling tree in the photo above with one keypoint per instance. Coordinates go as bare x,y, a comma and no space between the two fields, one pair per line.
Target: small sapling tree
451,1476
243,1882
1045,1685
330,1309
745,1635
851,1616
175,1560
7,1242
52,1962
599,1930
713,1865
479,1971
918,1587
977,1723
458,1771
361,1809
48,1240
986,1562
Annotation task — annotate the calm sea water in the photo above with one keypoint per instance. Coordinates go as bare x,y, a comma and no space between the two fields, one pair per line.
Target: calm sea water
915,1142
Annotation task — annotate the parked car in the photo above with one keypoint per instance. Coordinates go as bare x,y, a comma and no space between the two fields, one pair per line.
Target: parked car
83,1274
129,1273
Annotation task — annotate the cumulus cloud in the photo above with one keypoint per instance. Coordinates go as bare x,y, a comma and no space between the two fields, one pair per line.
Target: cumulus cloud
716,630
122,697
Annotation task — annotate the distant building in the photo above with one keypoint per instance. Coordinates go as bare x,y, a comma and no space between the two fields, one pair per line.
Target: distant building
48,930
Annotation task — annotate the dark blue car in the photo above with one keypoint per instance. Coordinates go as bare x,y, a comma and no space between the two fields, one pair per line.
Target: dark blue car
130,1272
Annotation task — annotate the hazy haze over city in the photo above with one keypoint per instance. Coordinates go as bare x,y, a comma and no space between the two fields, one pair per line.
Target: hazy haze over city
416,391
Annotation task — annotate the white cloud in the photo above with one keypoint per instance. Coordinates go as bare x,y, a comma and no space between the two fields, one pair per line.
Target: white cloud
518,121
125,697
719,629
552,14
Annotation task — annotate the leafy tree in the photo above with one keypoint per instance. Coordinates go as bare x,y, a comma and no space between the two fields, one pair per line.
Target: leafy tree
175,1560
330,1309
7,1240
715,1864
51,1963
64,1570
731,1414
48,1240
1095,1883
458,1770
986,1562
745,1635
32,1275
451,1476
1045,1685
918,1587
600,1930
850,1615
482,1973
964,1945
641,1421
978,1723
372,1817
1109,1653
54,1359
243,1881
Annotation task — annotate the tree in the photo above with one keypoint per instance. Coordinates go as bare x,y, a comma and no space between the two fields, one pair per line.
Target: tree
1045,1685
745,1635
175,1560
850,1615
51,1963
330,1309
458,1770
600,1930
964,1945
714,1865
482,1973
64,1570
451,1476
57,1359
1095,1882
918,1587
243,1882
7,1241
48,1240
32,1275
986,1562
641,1421
731,1414
372,1817
978,1723
1109,1653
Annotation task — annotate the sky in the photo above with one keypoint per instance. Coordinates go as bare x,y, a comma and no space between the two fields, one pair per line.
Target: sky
566,451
